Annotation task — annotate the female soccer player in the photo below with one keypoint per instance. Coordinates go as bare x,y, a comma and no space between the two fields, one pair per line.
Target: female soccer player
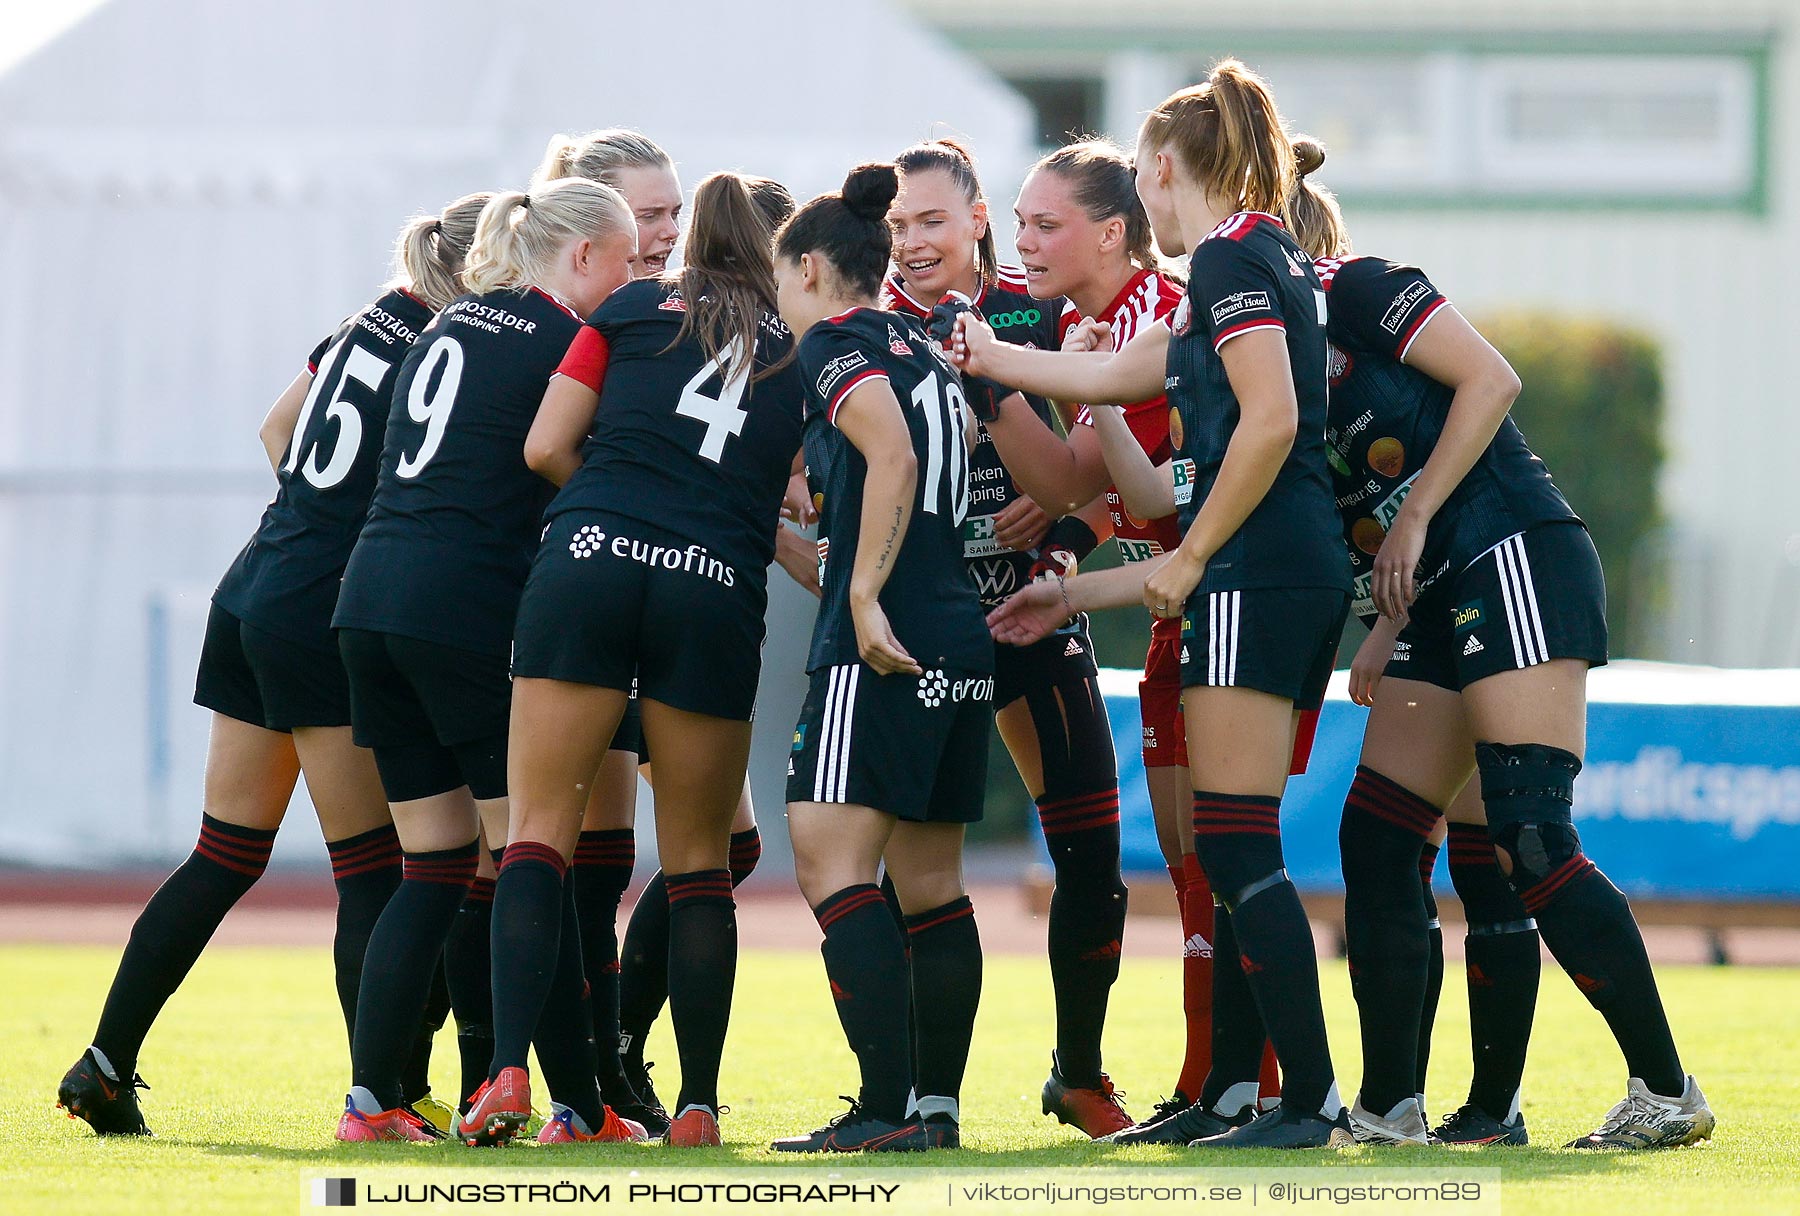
629,982
1492,608
1260,577
1049,708
890,753
270,673
425,615
643,579
1083,235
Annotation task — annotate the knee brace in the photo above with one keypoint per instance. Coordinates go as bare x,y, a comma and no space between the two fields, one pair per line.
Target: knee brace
1529,792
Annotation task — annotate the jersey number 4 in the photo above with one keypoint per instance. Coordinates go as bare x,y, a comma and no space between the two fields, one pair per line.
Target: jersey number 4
723,416
346,363
947,448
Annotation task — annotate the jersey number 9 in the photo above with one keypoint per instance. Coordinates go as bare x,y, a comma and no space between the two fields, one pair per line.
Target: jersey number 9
430,406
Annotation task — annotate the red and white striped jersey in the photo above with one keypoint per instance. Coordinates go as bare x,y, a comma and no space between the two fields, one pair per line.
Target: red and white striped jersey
1150,297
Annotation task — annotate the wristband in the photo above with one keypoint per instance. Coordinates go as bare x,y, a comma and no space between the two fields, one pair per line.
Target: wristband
1072,533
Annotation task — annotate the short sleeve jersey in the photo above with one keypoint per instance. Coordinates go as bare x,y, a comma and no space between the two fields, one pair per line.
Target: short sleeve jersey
1249,276
1386,418
1149,298
457,513
285,581
929,600
1022,320
689,444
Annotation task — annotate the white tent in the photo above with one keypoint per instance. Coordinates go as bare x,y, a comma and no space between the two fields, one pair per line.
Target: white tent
193,191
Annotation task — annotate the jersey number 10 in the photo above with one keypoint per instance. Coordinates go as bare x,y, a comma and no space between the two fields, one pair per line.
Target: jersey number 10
947,443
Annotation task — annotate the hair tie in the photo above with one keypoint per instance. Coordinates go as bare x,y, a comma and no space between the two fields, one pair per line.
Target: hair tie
525,202
437,228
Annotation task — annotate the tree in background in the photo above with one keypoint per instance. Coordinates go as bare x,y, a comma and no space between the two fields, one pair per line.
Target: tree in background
1592,408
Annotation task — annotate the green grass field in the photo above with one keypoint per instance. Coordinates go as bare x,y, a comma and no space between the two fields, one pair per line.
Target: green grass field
249,1070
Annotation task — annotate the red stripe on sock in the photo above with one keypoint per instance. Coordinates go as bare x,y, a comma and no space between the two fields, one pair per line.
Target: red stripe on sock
1538,896
958,911
829,915
481,891
250,869
533,850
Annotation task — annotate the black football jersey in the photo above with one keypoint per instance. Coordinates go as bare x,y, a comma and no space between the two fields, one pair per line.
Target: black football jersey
1018,318
285,581
457,513
680,443
1385,420
928,598
1249,275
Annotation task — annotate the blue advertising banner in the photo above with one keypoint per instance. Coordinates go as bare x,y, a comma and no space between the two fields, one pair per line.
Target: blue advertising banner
1685,794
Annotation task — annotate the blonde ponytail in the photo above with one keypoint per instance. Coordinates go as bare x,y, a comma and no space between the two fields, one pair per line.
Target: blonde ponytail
520,232
1228,135
598,156
428,257
1313,215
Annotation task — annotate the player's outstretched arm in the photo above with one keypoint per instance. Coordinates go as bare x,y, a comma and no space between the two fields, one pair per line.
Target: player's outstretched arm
1132,374
870,418
1146,489
1038,609
278,424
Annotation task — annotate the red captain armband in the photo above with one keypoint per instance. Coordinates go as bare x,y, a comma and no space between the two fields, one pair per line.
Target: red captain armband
586,359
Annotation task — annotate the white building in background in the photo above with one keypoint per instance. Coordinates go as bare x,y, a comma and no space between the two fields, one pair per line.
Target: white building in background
192,192
1625,159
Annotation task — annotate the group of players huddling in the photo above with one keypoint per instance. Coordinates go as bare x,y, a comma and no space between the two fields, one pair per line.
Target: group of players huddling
516,555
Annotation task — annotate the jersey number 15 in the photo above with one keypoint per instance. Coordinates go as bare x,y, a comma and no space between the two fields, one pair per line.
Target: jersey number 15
344,364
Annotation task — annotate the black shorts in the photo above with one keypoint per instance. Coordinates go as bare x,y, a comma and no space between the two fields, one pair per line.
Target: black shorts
611,600
251,675
1278,640
1065,657
914,747
404,691
1537,595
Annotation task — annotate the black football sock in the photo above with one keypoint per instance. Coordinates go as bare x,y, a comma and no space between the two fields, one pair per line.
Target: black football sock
468,970
1434,969
527,934
173,929
1238,839
1087,924
365,869
415,1078
702,973
564,1035
599,875
1379,839
408,942
946,991
1585,921
644,969
865,962
1238,1036
1502,962
644,956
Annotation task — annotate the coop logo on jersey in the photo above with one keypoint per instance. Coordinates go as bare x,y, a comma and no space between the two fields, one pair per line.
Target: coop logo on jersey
896,343
1237,302
1020,316
673,303
838,370
1396,313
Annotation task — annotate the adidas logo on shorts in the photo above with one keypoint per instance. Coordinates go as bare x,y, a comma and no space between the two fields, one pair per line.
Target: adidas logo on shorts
1072,649
1196,947
1472,646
